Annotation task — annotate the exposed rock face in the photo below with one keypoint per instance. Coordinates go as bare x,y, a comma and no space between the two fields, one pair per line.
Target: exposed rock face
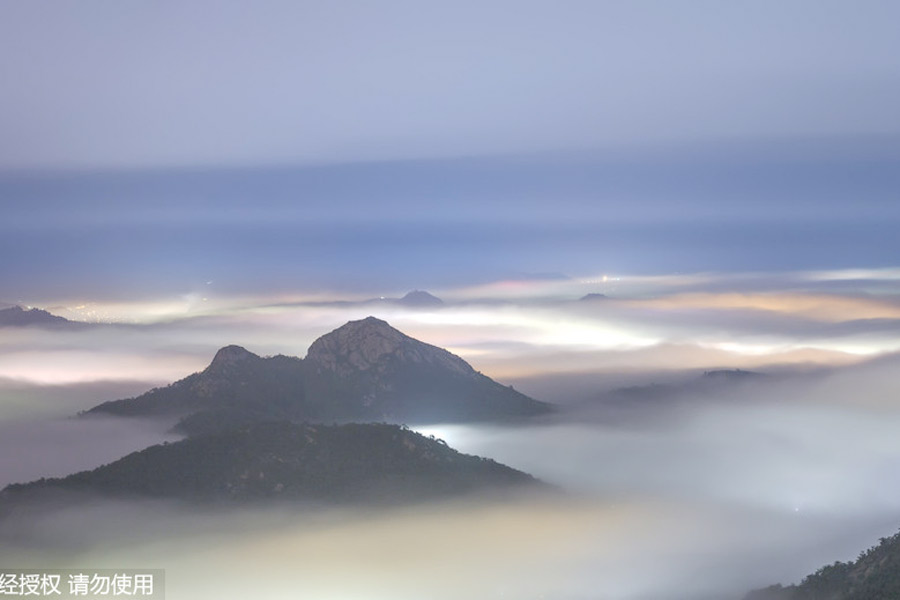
372,344
230,355
369,368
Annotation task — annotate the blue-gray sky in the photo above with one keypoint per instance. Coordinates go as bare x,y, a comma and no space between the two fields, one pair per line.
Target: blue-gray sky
147,147
168,83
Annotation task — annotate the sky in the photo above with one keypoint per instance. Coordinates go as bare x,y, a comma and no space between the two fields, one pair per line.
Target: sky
173,84
188,175
151,147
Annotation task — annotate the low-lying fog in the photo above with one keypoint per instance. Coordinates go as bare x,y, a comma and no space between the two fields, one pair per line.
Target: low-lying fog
700,490
40,436
705,495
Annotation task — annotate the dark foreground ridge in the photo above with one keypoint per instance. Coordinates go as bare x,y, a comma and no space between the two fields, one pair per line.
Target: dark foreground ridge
875,575
356,463
364,371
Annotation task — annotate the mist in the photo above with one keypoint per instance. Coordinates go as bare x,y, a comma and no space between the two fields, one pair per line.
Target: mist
517,329
40,435
701,493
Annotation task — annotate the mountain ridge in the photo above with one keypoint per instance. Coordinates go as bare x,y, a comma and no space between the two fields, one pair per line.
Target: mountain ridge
358,463
364,370
16,316
874,575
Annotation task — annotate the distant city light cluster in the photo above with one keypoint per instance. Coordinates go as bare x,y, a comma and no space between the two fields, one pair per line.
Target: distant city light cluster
94,313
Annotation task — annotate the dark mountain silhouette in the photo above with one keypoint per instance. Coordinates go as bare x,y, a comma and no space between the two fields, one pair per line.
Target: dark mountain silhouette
413,299
711,385
374,463
236,388
363,371
731,375
17,316
420,299
593,296
710,381
367,368
874,575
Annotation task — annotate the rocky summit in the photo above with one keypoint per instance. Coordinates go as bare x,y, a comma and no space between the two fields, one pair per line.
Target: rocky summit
372,345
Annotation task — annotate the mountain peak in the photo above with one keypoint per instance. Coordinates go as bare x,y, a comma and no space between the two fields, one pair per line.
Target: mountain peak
370,321
420,298
371,336
370,342
230,355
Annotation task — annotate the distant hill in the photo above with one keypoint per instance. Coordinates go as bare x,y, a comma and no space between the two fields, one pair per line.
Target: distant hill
371,464
420,299
874,575
17,316
708,384
593,296
413,299
731,375
364,371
